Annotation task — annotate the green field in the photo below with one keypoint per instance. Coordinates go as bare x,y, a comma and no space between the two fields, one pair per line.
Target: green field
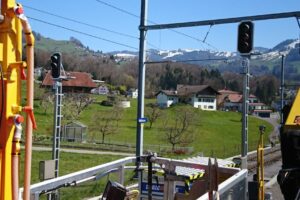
216,133
71,162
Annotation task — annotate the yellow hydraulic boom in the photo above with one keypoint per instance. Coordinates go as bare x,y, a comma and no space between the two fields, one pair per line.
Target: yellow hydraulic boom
12,71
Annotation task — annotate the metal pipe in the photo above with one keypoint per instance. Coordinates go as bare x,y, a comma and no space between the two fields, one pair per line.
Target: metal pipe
16,147
260,164
29,95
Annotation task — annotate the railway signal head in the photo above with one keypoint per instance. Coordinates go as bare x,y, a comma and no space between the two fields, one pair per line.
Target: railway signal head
245,37
56,65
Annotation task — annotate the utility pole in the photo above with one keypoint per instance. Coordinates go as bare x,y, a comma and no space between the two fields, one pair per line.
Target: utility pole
141,88
282,90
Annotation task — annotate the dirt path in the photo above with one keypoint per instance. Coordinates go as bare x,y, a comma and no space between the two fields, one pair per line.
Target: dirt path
81,151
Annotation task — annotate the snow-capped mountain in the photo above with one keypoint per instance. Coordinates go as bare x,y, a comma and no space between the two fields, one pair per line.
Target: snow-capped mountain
287,47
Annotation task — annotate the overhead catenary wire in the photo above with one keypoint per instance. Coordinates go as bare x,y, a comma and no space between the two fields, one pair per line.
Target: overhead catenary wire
82,23
84,33
89,25
189,60
134,15
117,8
207,33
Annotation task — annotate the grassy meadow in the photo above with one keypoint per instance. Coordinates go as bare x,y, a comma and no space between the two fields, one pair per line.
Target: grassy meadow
216,133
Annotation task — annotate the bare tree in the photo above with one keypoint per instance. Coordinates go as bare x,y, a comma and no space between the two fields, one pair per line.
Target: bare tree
46,101
153,112
106,123
177,130
117,114
74,104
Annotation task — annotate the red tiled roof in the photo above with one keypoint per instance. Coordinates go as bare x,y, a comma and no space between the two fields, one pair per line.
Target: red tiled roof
82,79
235,98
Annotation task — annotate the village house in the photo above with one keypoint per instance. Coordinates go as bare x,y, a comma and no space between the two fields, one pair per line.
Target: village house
81,82
133,93
233,101
199,96
102,90
229,100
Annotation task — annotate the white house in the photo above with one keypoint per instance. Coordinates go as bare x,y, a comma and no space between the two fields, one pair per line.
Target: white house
165,98
199,96
133,93
102,89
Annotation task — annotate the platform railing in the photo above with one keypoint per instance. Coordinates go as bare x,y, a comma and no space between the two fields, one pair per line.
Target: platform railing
236,176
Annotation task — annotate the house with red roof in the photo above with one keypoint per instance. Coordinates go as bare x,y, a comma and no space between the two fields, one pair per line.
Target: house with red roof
199,96
80,82
232,101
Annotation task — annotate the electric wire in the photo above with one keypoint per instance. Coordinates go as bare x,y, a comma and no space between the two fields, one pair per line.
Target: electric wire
89,25
183,61
80,22
207,33
117,8
83,33
134,15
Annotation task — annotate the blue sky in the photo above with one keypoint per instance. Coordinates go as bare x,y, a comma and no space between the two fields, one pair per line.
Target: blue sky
221,37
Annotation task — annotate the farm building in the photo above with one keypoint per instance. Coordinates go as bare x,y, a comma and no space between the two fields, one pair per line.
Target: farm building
81,82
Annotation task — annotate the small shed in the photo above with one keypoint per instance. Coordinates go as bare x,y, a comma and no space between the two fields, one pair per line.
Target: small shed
74,132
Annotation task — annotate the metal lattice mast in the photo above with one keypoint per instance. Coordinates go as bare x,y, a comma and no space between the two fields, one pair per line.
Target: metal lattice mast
57,124
245,110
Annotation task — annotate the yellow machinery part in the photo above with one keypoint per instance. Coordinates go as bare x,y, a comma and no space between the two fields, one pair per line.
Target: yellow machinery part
11,55
293,120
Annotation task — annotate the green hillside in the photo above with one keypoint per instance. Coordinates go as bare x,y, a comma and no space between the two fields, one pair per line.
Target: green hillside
215,132
72,46
50,45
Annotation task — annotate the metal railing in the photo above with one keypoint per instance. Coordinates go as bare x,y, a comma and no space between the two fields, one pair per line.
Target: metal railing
234,182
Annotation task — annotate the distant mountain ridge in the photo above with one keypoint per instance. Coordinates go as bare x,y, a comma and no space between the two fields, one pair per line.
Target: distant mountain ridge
284,48
266,62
